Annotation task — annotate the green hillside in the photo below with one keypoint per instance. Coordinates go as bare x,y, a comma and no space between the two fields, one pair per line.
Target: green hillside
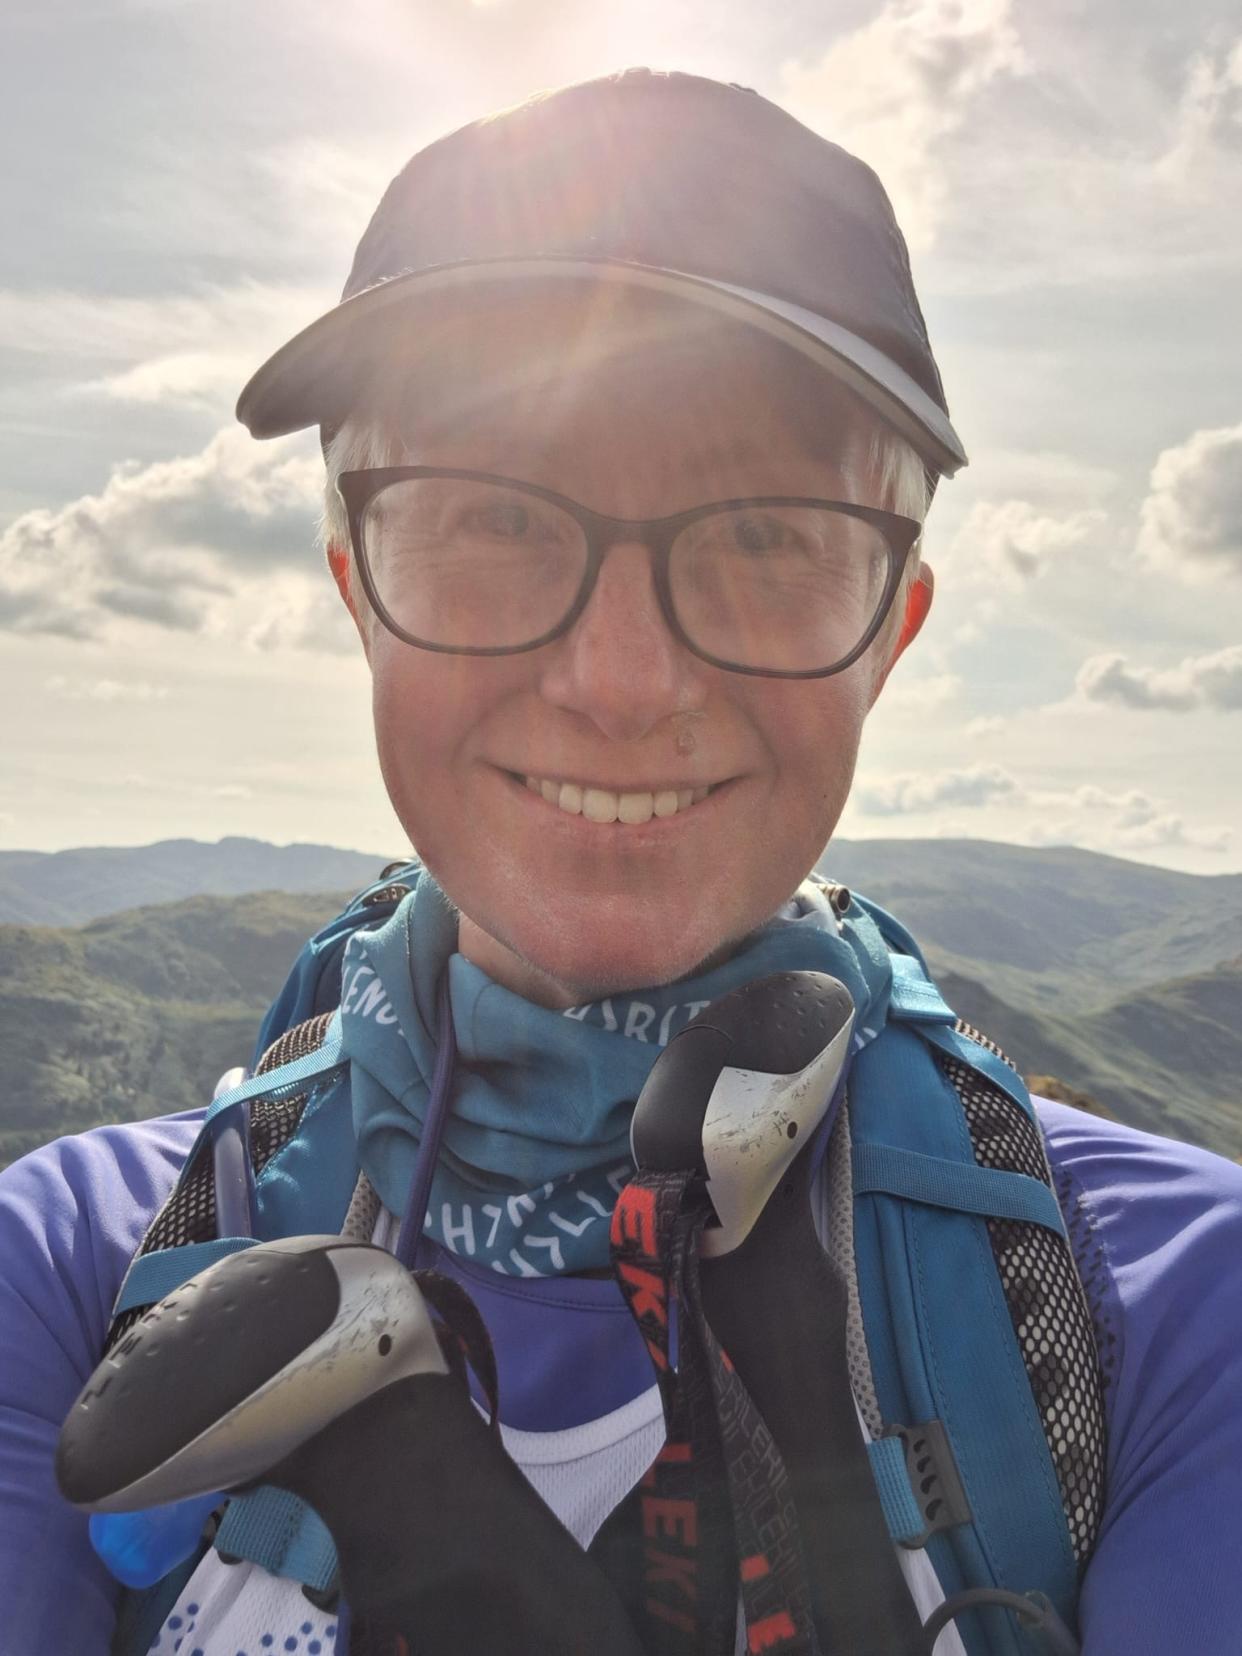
1166,1058
1057,930
138,1014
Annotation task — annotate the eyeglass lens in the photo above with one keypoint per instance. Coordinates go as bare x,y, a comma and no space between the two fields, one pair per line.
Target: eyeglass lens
465,564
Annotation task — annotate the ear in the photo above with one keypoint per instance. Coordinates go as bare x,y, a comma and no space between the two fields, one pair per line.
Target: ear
339,564
918,604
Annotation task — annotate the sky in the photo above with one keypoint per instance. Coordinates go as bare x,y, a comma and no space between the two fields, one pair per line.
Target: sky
186,181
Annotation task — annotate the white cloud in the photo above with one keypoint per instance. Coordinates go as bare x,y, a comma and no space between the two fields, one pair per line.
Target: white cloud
1011,542
894,89
1051,480
987,724
325,190
1125,821
106,689
1132,808
1166,831
227,790
1209,681
1108,159
900,795
244,321
1191,520
1169,830
934,691
1208,117
297,614
1114,821
186,378
172,543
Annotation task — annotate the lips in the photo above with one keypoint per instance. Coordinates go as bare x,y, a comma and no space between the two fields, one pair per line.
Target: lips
604,805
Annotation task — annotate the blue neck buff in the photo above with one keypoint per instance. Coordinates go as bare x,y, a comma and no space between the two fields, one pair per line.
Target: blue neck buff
537,1142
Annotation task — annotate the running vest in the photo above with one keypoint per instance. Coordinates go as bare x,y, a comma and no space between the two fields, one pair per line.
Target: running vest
972,1356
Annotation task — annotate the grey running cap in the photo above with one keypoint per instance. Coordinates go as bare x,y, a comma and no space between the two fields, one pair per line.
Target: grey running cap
669,182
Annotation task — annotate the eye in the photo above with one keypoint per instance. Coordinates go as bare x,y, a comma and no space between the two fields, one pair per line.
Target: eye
758,534
507,520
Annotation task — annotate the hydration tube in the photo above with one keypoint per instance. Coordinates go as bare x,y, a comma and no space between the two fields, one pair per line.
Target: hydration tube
233,1173
434,1122
413,1220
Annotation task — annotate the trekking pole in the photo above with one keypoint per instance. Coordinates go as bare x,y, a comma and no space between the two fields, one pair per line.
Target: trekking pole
745,1095
335,1387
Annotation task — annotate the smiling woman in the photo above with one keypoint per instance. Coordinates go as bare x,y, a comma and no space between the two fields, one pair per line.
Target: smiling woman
631,422
648,420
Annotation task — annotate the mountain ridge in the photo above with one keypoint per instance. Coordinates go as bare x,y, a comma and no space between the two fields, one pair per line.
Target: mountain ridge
138,1013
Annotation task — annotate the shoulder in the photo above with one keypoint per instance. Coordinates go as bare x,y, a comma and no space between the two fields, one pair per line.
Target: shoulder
73,1213
1157,1229
1144,1195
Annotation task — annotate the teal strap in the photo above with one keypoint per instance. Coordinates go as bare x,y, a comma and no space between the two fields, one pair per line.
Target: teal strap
902,1514
913,996
289,1078
962,1186
981,1058
153,1275
272,1528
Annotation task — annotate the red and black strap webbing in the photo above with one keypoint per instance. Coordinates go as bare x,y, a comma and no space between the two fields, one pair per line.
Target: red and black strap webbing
714,1511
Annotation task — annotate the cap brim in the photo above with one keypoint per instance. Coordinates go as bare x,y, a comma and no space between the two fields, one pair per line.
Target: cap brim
315,378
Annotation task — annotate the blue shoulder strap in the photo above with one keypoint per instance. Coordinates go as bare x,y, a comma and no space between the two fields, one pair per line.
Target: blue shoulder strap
314,981
294,1194
938,1328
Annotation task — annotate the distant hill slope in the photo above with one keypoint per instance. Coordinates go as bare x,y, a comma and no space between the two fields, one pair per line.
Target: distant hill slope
1055,930
69,888
138,1014
1167,1058
1118,979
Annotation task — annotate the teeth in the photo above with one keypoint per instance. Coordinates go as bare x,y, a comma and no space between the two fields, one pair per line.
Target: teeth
598,805
602,805
635,807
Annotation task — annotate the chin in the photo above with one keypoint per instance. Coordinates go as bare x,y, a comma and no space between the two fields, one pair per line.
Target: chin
633,956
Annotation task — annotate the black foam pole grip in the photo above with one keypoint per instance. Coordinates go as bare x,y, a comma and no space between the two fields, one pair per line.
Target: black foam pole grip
154,1393
776,1024
440,1537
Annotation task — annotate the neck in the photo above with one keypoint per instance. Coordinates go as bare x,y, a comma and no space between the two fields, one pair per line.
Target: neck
512,971
509,970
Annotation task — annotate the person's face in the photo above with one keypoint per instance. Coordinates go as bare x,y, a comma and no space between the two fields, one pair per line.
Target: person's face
562,908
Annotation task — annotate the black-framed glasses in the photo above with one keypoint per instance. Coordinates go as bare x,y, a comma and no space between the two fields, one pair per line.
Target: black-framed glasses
471,564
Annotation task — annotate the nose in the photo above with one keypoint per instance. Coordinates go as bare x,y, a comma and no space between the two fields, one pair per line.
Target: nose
619,665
